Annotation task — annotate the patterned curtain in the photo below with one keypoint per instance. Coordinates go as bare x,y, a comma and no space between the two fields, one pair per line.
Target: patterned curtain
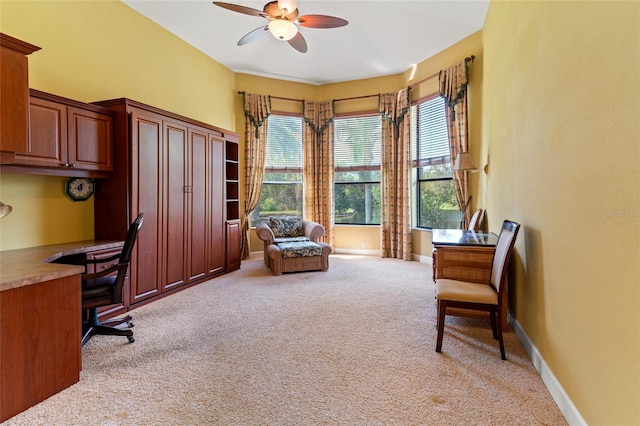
257,109
318,165
395,222
453,88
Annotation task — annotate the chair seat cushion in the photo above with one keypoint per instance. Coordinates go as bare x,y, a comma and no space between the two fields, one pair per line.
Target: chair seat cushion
461,291
98,287
300,249
279,240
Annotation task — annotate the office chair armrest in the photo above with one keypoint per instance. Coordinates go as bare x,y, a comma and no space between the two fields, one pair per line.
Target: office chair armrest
108,271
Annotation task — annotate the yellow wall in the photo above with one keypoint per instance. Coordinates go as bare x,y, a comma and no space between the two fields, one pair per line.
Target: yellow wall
561,125
91,51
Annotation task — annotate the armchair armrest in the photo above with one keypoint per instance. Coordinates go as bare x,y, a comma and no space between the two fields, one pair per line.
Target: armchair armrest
265,233
312,230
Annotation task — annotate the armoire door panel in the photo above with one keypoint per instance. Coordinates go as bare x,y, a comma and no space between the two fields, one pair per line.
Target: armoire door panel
146,185
175,205
198,181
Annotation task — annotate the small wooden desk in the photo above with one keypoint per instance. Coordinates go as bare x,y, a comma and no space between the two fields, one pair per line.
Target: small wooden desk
466,256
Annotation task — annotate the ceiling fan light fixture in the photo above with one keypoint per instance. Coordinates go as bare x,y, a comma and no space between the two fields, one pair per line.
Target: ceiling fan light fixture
287,6
283,29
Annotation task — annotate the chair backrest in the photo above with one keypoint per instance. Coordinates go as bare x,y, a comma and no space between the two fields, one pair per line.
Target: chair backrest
474,223
132,235
502,256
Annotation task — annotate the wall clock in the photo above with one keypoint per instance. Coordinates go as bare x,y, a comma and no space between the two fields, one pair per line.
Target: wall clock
79,189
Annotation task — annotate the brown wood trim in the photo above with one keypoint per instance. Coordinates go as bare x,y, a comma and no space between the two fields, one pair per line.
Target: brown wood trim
17,45
53,171
70,102
220,132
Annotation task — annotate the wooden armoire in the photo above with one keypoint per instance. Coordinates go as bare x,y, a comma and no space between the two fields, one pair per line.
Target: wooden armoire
183,175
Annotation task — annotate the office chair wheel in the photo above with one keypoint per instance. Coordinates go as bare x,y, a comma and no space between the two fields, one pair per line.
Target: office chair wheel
130,324
131,339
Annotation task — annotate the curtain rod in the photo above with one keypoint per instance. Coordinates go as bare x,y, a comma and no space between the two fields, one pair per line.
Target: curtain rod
352,97
335,100
470,59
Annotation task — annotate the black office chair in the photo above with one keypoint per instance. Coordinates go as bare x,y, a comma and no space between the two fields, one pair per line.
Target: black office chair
105,288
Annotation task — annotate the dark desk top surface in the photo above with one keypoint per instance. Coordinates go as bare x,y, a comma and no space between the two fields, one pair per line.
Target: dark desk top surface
460,237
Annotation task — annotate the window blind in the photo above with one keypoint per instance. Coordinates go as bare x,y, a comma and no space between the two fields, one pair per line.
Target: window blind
432,136
284,144
357,144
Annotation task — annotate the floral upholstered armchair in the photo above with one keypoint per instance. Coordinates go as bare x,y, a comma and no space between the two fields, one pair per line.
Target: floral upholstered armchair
291,245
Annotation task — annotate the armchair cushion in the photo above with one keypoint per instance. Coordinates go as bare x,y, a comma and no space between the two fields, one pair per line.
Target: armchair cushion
286,226
289,239
300,249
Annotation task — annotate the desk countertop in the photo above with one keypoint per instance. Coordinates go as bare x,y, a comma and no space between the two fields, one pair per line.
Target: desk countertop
26,266
460,237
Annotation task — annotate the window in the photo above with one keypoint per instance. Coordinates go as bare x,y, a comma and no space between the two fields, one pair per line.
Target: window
437,206
282,183
357,154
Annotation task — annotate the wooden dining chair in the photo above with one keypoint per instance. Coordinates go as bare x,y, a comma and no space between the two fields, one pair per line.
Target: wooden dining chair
481,297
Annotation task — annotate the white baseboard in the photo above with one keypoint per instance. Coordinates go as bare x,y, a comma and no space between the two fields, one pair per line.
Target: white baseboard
363,252
570,412
422,259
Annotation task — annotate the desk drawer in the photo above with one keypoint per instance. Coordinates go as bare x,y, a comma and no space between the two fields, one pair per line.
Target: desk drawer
465,263
466,257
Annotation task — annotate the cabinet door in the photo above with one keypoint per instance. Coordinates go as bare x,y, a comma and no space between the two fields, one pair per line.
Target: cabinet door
146,190
116,309
197,264
48,135
233,245
90,144
215,205
175,206
14,93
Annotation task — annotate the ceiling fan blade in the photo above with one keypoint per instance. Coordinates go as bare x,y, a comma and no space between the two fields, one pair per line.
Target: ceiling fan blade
241,9
253,35
321,21
299,43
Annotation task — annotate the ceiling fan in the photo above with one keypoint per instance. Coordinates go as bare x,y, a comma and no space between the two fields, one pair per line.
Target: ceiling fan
283,22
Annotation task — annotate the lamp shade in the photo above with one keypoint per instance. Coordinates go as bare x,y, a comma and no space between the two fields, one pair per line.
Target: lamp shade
283,29
464,162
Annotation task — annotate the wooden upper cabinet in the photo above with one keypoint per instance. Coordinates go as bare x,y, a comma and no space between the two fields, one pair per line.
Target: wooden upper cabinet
14,95
48,135
90,144
68,138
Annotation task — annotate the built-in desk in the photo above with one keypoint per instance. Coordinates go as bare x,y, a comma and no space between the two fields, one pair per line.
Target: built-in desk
465,256
40,323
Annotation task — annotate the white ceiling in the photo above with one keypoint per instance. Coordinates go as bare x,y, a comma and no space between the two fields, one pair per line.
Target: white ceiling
382,38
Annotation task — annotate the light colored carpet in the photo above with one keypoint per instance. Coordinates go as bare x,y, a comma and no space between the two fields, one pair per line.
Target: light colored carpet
350,346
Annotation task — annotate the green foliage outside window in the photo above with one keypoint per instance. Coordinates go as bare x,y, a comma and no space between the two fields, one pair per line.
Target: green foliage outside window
438,205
